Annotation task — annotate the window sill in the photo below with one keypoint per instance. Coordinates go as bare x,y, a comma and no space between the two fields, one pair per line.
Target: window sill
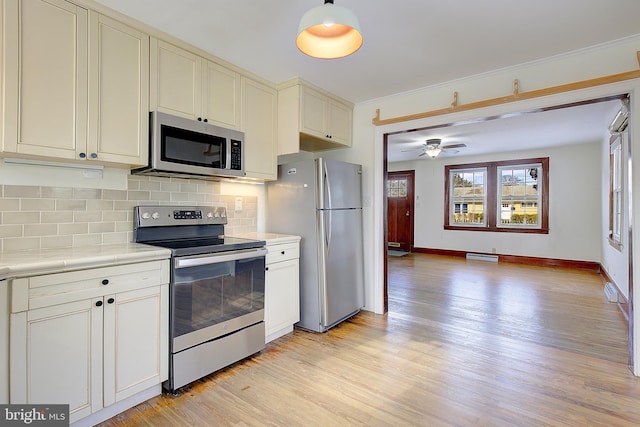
616,245
498,229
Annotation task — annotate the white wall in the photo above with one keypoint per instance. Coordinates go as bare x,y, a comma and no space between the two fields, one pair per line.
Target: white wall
574,207
599,61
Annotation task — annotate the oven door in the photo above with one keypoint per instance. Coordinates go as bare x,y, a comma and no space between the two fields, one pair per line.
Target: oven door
215,294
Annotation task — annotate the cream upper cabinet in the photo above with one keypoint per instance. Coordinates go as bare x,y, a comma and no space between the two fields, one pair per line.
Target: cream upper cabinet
187,85
221,95
46,72
310,119
76,85
118,92
324,118
259,118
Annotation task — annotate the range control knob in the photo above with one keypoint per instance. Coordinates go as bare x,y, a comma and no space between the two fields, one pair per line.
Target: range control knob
155,215
146,215
209,215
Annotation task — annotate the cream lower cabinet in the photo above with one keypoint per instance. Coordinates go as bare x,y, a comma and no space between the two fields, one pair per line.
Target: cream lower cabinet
89,338
282,288
76,85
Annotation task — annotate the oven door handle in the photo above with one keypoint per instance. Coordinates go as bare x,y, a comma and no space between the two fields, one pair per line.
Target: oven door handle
194,261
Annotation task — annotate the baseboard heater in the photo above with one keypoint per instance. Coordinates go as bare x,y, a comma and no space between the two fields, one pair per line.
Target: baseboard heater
611,292
482,257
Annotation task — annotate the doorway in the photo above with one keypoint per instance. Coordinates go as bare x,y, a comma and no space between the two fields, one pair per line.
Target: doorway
400,213
621,262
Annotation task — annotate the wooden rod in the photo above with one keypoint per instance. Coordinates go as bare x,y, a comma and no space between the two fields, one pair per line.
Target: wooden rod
584,84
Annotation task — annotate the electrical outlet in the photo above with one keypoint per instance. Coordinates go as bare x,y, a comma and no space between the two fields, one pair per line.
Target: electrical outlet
238,206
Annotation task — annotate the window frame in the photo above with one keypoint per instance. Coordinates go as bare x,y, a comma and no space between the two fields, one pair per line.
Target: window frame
466,203
492,192
616,187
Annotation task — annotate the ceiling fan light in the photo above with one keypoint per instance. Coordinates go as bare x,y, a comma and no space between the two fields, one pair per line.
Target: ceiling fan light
329,32
433,152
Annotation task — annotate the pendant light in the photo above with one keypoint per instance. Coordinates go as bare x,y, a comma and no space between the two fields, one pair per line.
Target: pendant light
329,32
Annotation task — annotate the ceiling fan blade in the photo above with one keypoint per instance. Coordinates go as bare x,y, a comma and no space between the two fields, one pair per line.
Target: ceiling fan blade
448,147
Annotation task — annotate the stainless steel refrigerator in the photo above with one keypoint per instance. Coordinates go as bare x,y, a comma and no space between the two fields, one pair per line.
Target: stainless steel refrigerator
321,201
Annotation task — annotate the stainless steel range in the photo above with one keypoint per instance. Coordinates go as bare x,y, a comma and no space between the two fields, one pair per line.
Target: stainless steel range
216,289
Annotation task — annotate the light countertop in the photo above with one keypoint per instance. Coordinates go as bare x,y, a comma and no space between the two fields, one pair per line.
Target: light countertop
48,261
270,238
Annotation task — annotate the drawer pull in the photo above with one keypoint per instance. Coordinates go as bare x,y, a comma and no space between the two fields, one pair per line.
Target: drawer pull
105,281
98,303
111,300
282,252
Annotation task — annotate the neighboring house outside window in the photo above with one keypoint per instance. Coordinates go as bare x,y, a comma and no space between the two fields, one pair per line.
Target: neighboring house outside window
498,196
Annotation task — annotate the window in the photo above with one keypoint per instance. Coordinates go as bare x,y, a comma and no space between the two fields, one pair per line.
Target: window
507,196
397,188
518,189
616,183
468,197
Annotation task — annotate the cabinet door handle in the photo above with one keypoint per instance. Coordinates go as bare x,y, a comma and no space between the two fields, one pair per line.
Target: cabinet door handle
98,303
282,252
206,120
111,300
94,155
82,155
266,269
105,281
199,119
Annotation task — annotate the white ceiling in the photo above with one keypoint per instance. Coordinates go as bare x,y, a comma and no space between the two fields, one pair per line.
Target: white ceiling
408,44
529,130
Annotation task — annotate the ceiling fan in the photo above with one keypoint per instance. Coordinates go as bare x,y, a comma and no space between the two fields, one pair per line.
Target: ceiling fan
432,148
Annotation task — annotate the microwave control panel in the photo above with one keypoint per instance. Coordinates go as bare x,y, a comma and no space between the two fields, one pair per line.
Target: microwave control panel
236,155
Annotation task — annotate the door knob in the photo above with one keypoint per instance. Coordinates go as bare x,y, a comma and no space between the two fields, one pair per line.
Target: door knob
408,213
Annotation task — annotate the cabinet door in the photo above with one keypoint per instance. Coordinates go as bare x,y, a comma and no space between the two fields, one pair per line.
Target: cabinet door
118,92
282,295
175,80
340,119
259,118
221,91
313,116
48,366
136,342
46,78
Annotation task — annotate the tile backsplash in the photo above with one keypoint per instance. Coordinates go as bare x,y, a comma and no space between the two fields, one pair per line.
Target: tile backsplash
39,217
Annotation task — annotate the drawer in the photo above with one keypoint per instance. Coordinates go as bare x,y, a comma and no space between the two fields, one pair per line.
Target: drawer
282,252
51,289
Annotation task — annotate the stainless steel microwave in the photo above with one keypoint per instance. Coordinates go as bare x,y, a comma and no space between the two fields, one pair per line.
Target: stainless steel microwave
188,148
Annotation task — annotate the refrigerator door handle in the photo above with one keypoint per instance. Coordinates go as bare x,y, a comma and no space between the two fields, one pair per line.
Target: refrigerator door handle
327,184
328,232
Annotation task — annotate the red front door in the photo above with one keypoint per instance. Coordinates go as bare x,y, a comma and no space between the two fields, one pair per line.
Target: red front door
400,210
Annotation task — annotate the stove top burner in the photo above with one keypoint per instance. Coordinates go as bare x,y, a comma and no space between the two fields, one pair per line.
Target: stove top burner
208,245
187,230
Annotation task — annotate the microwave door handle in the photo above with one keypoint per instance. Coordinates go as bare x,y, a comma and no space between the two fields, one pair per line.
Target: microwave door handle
227,153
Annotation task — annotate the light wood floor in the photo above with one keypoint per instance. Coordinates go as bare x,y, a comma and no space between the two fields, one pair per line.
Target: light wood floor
464,343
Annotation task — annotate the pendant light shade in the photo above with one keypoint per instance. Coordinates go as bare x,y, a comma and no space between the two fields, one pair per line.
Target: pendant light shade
329,32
